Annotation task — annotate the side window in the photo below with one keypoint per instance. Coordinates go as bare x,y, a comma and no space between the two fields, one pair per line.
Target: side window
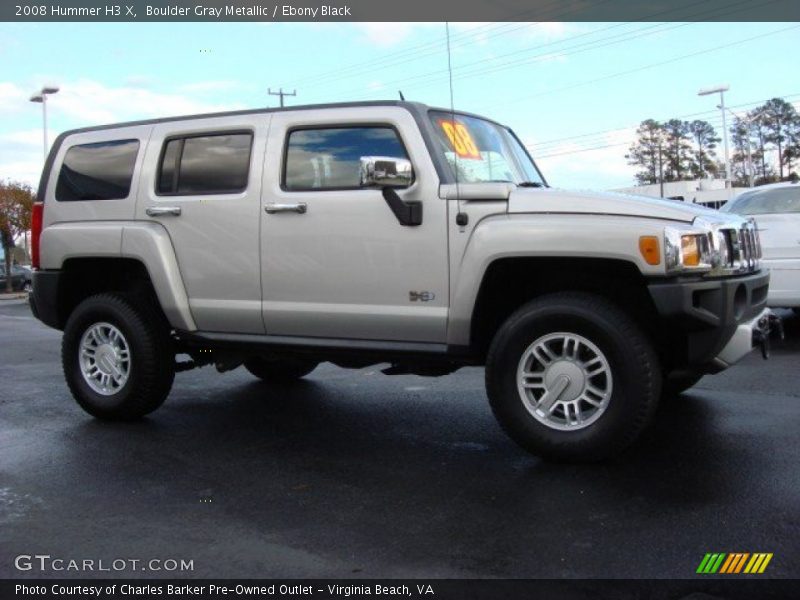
205,164
99,171
329,159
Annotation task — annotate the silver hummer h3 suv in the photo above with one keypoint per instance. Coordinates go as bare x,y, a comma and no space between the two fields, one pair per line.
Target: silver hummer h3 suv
382,232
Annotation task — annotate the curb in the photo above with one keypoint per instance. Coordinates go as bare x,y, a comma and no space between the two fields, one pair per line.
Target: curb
14,296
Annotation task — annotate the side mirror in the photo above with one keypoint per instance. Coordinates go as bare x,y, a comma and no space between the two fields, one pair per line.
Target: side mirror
388,174
384,171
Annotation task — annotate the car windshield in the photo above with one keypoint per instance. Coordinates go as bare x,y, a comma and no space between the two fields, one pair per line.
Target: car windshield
479,151
765,202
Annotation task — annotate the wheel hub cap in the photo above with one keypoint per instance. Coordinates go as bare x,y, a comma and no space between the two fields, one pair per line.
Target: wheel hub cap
104,357
564,381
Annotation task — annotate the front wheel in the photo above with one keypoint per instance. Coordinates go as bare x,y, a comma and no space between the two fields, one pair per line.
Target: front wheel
117,357
571,377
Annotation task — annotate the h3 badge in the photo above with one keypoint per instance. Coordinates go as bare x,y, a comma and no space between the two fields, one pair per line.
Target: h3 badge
422,296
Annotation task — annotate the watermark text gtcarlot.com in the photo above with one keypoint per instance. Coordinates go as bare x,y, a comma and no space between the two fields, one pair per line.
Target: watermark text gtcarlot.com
47,563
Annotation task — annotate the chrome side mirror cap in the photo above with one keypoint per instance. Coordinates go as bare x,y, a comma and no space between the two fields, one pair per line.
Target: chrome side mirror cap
385,171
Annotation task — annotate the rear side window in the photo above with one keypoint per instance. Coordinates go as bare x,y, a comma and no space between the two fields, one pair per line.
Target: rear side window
330,159
205,164
99,171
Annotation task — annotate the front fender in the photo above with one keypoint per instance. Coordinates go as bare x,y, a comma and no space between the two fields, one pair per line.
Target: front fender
542,235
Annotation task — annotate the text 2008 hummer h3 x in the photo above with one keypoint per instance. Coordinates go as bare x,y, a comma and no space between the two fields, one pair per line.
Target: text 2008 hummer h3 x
382,232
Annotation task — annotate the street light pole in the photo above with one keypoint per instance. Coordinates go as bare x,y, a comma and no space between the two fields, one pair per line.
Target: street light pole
721,89
41,98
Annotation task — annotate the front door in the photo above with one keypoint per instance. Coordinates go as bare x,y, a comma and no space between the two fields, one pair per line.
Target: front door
336,262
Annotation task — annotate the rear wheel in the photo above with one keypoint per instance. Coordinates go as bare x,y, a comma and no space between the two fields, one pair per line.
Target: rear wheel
117,357
571,377
279,370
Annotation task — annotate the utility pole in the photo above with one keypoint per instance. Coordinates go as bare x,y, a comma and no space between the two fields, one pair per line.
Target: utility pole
660,168
281,93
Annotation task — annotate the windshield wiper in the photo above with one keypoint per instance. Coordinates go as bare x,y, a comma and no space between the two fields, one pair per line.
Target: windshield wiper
533,184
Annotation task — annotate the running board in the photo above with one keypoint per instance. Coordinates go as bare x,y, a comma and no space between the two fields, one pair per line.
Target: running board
379,348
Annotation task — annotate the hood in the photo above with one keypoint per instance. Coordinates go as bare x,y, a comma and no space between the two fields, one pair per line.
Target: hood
549,200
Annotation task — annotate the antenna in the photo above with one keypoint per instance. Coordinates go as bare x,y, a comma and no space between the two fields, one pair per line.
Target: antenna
403,98
461,218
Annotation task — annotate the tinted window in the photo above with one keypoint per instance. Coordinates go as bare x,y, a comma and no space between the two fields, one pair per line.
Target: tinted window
209,164
101,171
318,159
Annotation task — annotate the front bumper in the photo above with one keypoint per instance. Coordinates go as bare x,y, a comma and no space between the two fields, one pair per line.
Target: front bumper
749,335
706,314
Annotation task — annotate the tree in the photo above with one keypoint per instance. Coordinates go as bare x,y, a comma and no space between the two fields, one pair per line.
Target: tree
677,149
780,120
705,141
646,152
16,208
759,134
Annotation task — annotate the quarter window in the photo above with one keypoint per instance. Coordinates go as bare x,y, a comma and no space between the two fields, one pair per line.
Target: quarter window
99,171
327,159
205,164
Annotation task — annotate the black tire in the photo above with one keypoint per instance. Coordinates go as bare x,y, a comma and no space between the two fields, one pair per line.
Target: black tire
152,357
279,370
676,385
631,359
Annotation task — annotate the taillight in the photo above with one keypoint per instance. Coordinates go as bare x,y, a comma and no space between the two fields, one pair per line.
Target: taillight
36,232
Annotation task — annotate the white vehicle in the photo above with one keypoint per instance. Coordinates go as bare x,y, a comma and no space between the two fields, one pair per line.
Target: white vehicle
776,209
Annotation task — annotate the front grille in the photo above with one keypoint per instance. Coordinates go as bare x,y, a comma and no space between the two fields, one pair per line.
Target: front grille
744,248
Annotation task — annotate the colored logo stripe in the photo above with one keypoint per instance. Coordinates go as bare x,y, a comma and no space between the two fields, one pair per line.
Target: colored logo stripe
710,563
734,562
758,563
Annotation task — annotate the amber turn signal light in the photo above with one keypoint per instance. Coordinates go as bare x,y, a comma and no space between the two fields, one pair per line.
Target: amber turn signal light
648,246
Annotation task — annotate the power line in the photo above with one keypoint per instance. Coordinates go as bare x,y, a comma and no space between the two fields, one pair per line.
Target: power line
553,141
435,46
433,77
650,65
588,148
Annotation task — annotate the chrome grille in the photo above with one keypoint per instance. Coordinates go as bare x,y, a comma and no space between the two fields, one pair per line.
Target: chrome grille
744,248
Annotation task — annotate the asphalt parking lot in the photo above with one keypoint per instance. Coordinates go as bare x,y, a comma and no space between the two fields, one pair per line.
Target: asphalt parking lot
355,474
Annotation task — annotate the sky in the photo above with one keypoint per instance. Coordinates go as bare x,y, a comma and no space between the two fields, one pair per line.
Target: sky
573,92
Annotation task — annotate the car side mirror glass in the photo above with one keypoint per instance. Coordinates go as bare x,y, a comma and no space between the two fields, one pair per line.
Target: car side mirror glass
385,171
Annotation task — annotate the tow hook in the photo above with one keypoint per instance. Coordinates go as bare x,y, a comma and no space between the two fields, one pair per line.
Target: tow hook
767,325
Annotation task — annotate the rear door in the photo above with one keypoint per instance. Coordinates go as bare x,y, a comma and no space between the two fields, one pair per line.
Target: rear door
202,184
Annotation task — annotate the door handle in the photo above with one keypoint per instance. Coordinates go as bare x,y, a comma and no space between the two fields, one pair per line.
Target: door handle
299,208
159,211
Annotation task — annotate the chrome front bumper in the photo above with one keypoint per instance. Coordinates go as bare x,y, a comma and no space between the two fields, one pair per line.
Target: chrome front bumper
752,334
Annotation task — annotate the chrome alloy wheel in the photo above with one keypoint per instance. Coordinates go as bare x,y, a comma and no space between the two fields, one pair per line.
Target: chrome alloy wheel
105,358
564,381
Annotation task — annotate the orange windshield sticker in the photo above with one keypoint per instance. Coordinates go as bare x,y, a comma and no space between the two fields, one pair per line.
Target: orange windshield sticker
461,139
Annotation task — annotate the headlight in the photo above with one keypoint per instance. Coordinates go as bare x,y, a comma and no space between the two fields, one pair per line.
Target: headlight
688,251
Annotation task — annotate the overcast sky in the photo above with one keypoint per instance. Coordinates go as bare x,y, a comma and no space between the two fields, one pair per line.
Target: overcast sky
574,92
